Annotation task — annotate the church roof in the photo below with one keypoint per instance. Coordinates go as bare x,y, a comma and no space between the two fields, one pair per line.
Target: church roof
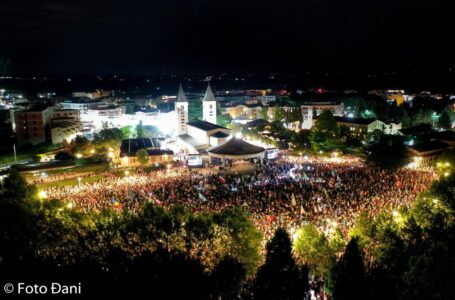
219,134
181,95
209,96
204,125
236,146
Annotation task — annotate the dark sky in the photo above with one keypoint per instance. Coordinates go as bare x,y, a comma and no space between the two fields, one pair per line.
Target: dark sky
154,36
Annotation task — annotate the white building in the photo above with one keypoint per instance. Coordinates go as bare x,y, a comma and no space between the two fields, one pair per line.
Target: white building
202,135
64,131
82,106
313,110
209,106
181,109
196,136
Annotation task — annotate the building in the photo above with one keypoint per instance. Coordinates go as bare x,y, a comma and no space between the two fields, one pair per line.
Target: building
32,125
425,154
181,109
129,148
83,106
64,132
387,128
314,109
359,127
209,106
65,115
235,149
196,136
92,95
243,113
108,111
202,135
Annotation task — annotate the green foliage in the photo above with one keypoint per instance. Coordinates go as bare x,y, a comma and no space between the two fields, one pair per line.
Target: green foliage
106,138
227,278
423,117
314,249
223,120
127,131
81,145
264,112
349,275
279,114
280,277
140,131
431,274
245,239
389,152
364,230
444,120
14,188
195,110
142,156
325,133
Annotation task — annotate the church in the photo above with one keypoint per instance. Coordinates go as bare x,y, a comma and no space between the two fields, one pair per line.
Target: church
196,136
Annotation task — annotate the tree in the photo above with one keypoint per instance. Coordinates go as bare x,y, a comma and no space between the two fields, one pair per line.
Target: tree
264,112
227,278
244,238
444,120
81,145
140,131
349,275
326,131
280,114
127,131
108,138
195,110
151,131
314,249
224,120
431,275
280,277
142,156
15,188
388,153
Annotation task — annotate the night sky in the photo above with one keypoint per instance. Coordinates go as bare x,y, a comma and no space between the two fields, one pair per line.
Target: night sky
156,36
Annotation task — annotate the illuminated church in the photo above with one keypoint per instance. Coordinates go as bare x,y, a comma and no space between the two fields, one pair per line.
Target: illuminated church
197,136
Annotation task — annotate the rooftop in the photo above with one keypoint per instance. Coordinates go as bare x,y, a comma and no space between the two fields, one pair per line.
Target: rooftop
204,125
430,146
131,146
220,134
191,141
236,146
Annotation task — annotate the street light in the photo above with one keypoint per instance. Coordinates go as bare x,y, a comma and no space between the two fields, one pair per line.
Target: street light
78,155
79,181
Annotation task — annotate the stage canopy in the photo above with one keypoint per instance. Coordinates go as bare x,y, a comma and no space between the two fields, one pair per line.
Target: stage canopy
236,148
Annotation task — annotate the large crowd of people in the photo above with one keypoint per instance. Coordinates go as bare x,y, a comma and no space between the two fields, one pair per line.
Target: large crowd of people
289,192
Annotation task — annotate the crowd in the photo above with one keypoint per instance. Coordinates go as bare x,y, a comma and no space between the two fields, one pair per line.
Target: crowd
287,193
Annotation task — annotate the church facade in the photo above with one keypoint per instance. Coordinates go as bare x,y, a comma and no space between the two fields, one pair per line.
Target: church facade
196,136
